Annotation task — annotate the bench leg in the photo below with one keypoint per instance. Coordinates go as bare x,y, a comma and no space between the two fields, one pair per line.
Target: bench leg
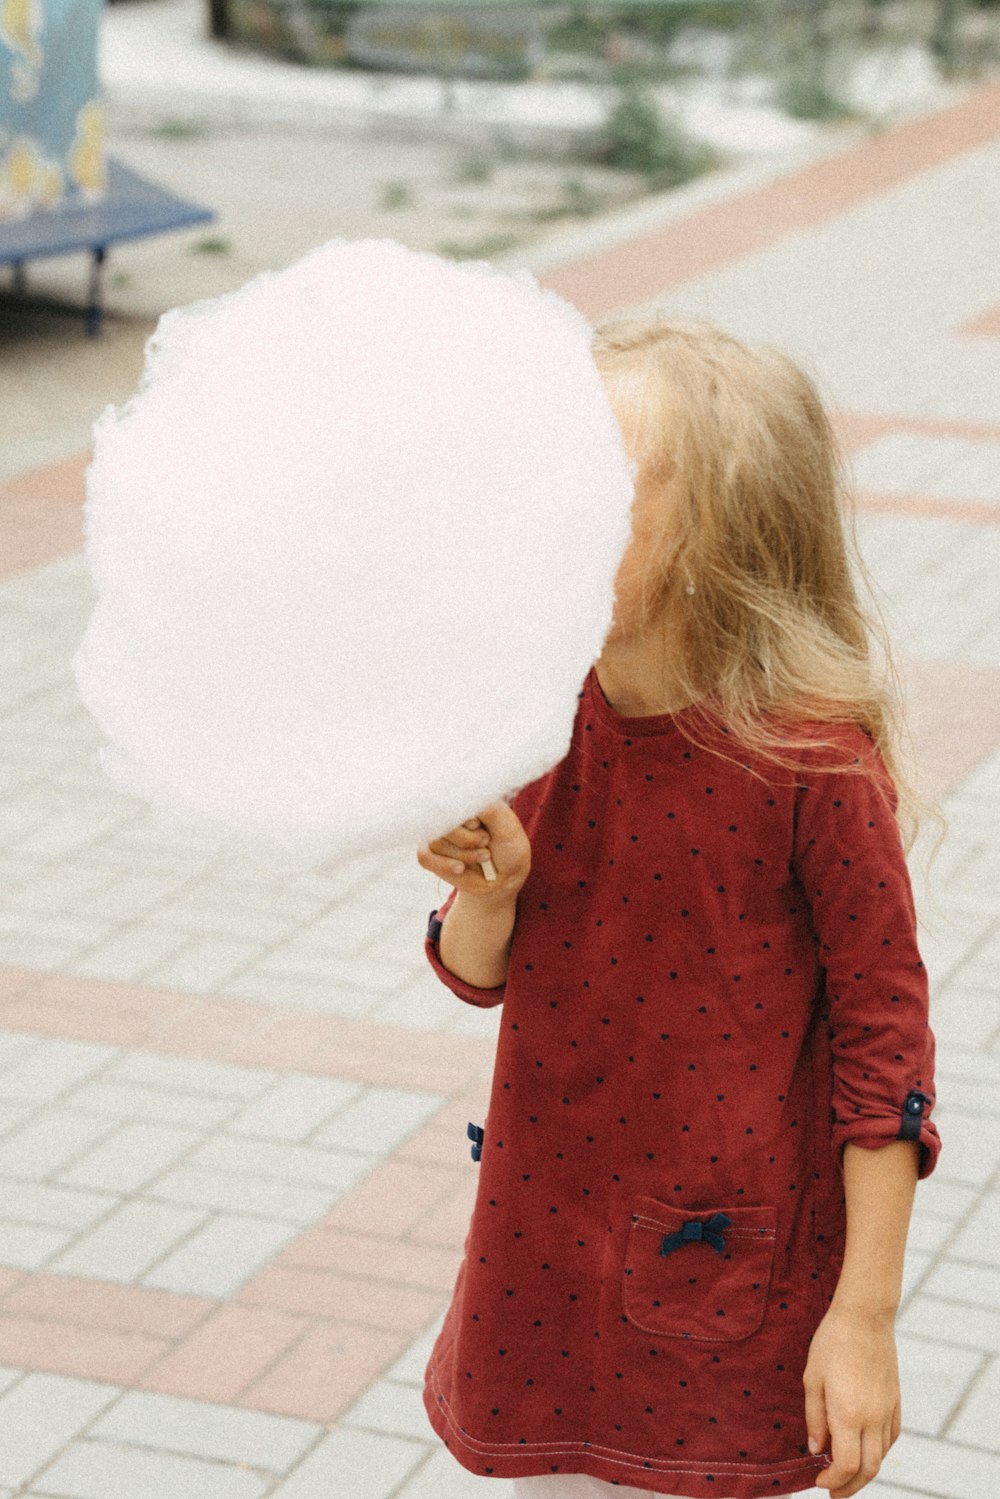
95,310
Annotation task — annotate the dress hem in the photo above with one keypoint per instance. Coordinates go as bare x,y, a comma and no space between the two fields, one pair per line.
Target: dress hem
724,1479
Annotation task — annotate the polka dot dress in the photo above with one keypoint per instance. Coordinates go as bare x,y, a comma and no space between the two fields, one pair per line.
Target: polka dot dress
714,983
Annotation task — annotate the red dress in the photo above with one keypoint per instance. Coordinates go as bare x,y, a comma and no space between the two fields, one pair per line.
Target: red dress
714,983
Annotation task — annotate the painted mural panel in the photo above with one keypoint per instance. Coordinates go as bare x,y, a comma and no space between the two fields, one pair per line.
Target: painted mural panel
51,115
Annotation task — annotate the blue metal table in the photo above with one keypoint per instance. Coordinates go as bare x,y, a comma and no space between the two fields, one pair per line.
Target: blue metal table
133,207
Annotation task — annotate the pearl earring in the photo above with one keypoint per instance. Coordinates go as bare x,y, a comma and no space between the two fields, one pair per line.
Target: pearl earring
689,588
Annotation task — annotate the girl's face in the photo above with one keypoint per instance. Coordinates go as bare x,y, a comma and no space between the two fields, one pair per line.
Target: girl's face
642,571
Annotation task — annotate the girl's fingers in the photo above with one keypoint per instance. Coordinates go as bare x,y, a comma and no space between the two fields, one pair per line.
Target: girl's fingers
846,1449
448,867
446,849
461,838
816,1417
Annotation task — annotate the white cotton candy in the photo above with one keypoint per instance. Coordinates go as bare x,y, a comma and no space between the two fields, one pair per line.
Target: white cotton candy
354,542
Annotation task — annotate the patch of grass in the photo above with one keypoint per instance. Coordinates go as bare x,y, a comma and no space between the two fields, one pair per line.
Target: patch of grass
212,244
397,194
474,166
636,138
481,249
809,99
178,130
578,202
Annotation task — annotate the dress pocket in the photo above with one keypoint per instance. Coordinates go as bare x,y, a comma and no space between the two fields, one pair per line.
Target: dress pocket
701,1273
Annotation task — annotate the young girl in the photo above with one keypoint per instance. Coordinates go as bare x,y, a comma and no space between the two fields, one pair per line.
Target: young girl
714,1069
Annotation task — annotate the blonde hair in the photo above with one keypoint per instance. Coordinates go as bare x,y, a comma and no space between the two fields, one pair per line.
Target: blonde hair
774,636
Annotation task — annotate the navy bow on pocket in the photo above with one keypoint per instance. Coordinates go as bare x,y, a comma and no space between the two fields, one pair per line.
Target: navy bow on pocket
709,1229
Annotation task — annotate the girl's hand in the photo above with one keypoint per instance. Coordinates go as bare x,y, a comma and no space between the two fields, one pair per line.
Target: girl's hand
497,834
851,1382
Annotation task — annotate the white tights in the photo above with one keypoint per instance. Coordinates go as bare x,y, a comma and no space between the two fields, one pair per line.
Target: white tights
582,1486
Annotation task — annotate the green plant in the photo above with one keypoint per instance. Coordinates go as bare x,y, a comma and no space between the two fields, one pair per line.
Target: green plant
636,138
473,166
212,244
580,199
809,99
178,130
482,249
397,194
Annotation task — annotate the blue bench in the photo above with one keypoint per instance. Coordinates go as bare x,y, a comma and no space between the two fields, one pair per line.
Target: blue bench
133,207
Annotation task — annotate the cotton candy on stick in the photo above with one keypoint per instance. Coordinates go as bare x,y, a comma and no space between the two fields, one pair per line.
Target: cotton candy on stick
354,542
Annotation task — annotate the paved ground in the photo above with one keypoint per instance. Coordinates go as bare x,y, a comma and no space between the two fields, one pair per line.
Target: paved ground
232,1133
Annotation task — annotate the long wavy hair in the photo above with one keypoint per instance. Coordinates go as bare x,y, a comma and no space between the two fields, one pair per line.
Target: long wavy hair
758,576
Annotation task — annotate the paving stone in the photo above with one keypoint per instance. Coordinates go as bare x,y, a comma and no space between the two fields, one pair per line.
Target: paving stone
286,992
64,888
97,1470
441,1477
979,1237
39,1415
234,1191
959,1280
29,1247
220,1255
410,1368
951,1321
934,1377
133,1101
127,1243
973,1150
198,1429
53,1067
200,966
353,1465
294,1107
131,1156
379,1120
129,956
396,1409
933,1465
252,929
336,1171
49,1143
14,1046
976,1422
192,1074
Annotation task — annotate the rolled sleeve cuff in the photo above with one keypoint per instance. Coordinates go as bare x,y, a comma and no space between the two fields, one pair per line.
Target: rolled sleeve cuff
483,998
909,1122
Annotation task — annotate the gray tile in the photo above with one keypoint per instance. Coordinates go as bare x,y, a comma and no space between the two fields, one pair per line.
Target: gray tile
129,1241
100,1470
199,1429
978,1421
380,1120
354,1465
238,1192
221,1255
192,1075
52,1068
294,1107
39,1415
933,1378
130,1157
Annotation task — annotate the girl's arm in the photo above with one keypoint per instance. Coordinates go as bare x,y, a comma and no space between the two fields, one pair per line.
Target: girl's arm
474,941
469,937
851,1378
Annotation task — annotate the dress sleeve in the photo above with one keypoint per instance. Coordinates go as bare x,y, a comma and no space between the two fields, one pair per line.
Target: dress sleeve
484,998
849,858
